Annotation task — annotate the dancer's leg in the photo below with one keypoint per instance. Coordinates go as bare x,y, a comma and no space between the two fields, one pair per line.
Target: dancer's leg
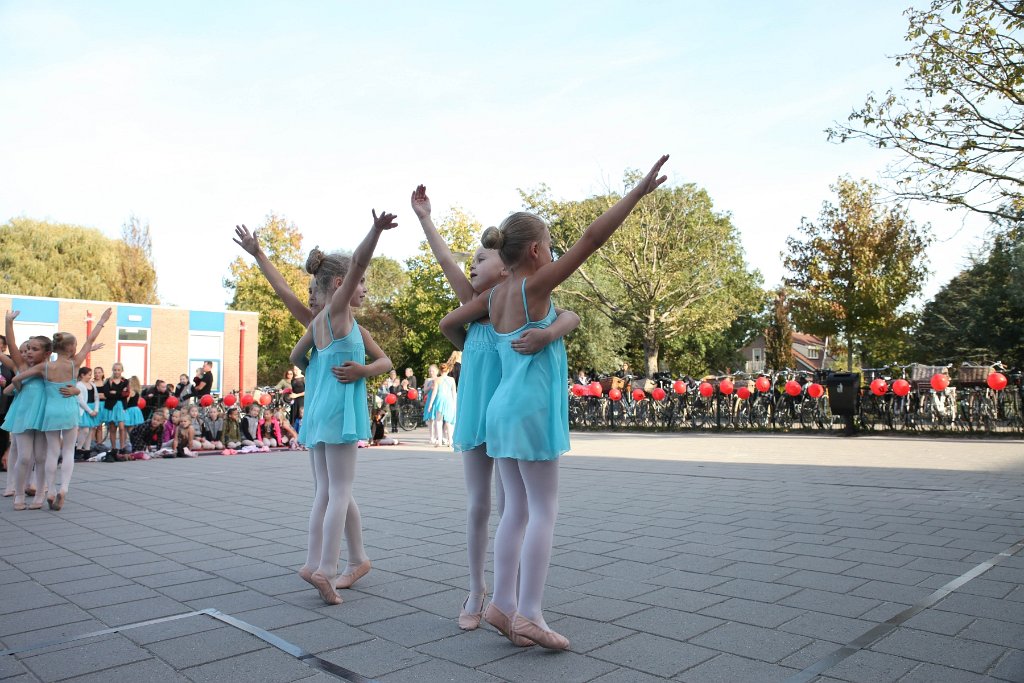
477,467
39,460
12,468
67,454
341,470
84,438
316,513
508,539
26,442
354,537
52,455
541,482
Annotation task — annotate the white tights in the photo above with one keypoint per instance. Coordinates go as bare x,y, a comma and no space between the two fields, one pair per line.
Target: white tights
31,450
12,466
478,466
85,438
60,445
335,513
525,534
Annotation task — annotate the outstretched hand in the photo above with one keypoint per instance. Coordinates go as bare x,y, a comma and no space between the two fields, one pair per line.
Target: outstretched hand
420,202
96,347
247,241
106,316
11,315
385,221
651,181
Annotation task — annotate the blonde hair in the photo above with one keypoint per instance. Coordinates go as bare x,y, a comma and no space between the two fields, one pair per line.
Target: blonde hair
134,384
445,368
514,236
325,267
63,341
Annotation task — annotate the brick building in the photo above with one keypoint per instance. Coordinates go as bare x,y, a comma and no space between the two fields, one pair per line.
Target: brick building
152,342
809,353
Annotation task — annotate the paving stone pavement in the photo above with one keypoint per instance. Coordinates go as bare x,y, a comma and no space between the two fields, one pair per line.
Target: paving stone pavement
691,557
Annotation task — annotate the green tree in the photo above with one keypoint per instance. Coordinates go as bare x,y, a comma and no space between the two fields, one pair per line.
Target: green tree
278,331
853,271
980,312
674,269
958,124
426,298
137,281
385,281
778,335
38,258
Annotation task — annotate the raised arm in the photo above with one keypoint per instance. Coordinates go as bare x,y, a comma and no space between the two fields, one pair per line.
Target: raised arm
456,276
597,233
453,325
251,244
533,340
91,339
12,345
298,355
361,258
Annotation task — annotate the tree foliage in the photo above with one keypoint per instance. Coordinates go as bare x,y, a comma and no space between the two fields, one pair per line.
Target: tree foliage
778,335
385,281
426,297
39,258
853,271
959,124
674,270
980,312
278,330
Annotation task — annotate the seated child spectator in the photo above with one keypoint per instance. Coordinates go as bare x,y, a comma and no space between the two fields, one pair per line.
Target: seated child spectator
170,426
251,425
213,429
271,430
156,396
197,429
380,417
184,437
232,435
288,434
149,435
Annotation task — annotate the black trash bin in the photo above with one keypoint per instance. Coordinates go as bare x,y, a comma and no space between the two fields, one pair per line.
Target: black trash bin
843,388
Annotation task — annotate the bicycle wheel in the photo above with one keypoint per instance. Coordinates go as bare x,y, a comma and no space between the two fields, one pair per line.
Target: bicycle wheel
784,413
700,413
808,413
823,415
408,417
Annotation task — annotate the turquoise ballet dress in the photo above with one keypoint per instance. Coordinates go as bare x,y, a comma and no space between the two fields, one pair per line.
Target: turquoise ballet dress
528,415
85,420
479,379
445,403
133,416
429,410
335,412
28,409
61,412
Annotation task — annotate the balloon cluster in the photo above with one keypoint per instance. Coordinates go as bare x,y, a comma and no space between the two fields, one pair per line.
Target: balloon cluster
230,400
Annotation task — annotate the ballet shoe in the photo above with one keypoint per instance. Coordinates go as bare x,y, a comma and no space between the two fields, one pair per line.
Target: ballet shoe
30,491
9,493
470,621
18,507
36,505
325,585
306,575
524,628
58,501
49,501
346,580
499,620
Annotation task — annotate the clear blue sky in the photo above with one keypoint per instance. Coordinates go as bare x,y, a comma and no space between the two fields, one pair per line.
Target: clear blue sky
196,116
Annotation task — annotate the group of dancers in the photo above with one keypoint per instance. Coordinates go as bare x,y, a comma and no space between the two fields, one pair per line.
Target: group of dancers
512,411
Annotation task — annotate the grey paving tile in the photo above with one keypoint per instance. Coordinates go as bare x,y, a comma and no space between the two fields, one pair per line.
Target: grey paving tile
268,665
931,673
623,675
866,666
43,617
752,642
150,671
138,610
830,603
728,668
374,658
931,647
143,635
669,623
754,590
205,647
653,654
414,629
599,609
752,612
1010,667
85,659
995,632
587,634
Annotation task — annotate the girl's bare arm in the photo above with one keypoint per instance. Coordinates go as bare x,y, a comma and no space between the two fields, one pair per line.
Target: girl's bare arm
456,276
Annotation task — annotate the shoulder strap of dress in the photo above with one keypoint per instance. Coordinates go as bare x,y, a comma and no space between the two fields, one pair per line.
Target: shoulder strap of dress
489,295
327,321
46,370
526,308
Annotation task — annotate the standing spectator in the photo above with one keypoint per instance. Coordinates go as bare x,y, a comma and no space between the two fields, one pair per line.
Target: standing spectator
156,397
455,365
298,396
5,401
394,387
412,378
203,383
286,381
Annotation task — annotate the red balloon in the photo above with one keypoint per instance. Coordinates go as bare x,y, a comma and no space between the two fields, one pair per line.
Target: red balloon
658,394
879,387
246,400
793,387
142,404
595,389
679,386
578,390
940,382
815,391
206,401
706,390
390,399
412,395
743,393
997,381
901,387
265,399
172,402
726,387
639,394
763,384
229,400
615,395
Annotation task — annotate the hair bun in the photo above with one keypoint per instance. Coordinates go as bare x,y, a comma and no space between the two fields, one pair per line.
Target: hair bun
493,238
315,260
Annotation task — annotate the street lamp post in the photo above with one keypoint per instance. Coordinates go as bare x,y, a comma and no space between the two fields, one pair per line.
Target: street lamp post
241,355
88,331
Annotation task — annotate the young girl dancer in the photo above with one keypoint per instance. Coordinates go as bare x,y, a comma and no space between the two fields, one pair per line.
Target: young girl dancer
20,414
481,373
133,414
528,431
356,566
442,407
336,413
60,413
89,412
429,414
115,397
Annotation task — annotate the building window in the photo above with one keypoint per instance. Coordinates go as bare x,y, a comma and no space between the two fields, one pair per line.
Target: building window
812,352
206,346
133,352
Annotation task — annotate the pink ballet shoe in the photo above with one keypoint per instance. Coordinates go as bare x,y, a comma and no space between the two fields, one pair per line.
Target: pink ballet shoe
325,585
36,505
524,628
346,580
18,507
470,621
306,575
499,620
